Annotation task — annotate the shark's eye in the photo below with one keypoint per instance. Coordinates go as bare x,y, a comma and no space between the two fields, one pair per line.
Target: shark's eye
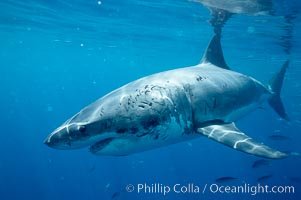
81,129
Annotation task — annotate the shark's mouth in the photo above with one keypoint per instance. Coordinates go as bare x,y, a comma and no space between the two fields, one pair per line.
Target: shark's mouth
98,146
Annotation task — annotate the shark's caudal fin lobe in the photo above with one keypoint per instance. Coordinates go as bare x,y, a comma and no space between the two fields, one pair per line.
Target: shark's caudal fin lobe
214,53
275,86
231,136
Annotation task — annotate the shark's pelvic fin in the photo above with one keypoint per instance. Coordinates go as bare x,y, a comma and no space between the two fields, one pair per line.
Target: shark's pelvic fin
229,135
275,86
214,53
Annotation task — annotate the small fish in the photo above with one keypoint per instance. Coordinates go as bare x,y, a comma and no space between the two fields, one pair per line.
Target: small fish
225,179
92,169
261,163
298,121
189,144
295,179
264,178
279,137
115,195
107,185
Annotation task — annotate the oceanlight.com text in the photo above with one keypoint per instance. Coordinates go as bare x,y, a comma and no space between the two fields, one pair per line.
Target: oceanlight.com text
251,189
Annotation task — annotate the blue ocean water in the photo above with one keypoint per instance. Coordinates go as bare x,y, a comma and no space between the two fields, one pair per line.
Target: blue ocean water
58,56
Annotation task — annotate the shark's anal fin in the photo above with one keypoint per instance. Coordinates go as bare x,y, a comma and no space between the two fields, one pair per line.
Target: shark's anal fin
229,135
214,53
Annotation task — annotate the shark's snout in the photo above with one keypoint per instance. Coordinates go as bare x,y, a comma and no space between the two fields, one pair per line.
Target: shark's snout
59,139
69,136
52,141
47,141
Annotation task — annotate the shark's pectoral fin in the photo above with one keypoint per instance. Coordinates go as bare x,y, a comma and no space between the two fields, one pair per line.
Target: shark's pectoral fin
229,135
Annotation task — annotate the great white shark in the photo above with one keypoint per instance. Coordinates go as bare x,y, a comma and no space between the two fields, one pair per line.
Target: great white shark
174,106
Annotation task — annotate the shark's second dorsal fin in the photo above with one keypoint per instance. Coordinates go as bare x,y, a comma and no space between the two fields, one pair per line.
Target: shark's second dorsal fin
214,53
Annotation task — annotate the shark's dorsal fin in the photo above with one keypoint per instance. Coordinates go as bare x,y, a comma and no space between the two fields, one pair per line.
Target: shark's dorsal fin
214,53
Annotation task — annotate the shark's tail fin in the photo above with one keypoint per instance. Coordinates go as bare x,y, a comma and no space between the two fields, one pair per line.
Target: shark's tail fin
275,86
